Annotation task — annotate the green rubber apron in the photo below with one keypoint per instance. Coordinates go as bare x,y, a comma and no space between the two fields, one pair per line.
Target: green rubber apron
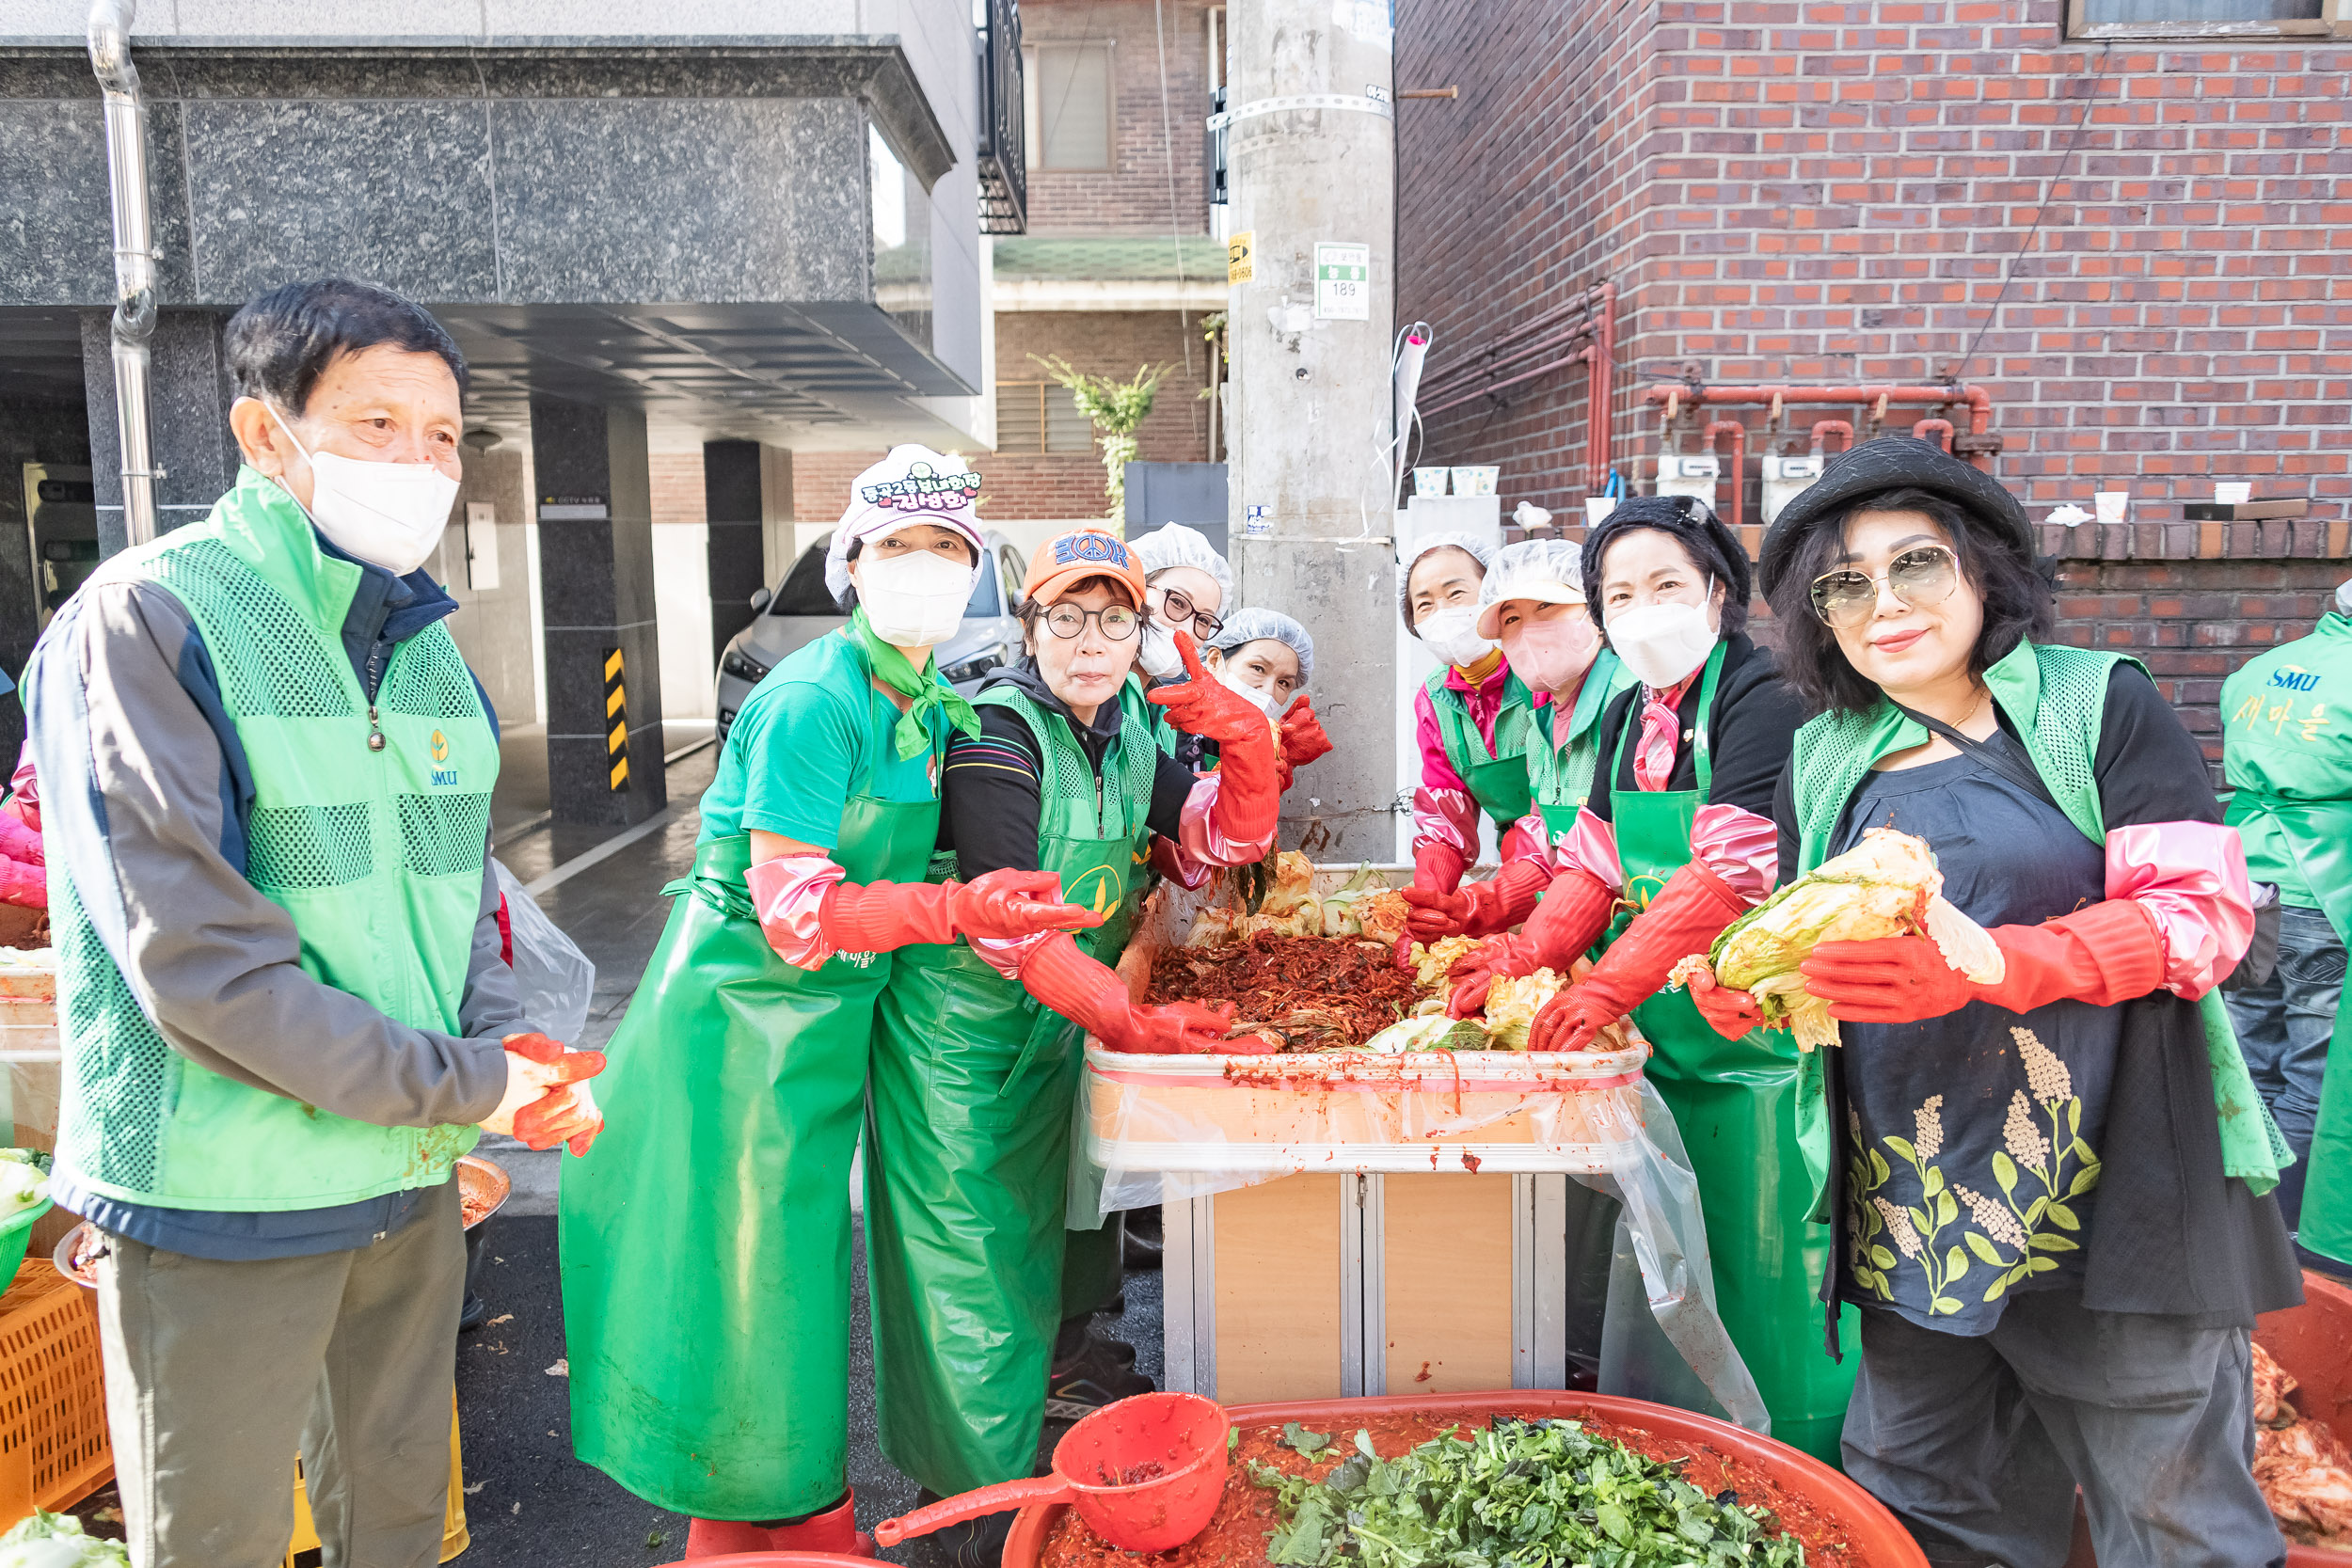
705,1247
1496,780
968,1148
2318,833
1735,1103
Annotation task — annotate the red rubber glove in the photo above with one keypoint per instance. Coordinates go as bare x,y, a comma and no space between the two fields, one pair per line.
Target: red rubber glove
1301,732
876,917
1686,917
1730,1011
1091,995
1438,867
566,1111
1205,706
1574,913
26,886
1481,909
2108,952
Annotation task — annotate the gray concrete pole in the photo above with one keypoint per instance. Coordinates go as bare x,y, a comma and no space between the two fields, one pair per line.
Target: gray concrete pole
1311,149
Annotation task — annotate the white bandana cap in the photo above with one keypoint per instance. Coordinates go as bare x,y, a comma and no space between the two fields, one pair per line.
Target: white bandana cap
913,484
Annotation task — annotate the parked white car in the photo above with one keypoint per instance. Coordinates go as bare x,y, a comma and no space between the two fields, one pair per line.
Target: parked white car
798,610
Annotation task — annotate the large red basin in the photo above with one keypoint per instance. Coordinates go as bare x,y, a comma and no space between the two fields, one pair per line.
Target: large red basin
1880,1540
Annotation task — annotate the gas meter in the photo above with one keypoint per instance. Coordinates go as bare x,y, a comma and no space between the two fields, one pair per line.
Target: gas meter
1784,478
1695,476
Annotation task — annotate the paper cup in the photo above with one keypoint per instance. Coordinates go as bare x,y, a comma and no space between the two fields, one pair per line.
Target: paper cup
2230,495
2112,504
1430,482
1477,480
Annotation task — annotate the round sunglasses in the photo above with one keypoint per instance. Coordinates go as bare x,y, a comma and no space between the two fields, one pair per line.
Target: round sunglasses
1923,574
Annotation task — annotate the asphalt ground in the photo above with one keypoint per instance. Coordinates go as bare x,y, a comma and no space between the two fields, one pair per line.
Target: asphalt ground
532,1505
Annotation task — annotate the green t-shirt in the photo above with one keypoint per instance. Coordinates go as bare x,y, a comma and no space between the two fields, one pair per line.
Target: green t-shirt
811,734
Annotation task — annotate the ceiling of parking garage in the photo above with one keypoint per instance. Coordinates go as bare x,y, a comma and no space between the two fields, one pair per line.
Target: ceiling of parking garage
811,376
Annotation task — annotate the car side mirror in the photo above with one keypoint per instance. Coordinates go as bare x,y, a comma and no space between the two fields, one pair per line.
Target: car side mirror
759,600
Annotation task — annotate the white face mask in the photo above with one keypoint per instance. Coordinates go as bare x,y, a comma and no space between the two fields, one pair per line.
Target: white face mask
915,600
388,514
1452,634
1661,643
1158,658
1260,699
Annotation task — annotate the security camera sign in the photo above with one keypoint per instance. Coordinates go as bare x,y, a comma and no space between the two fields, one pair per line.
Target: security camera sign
1343,282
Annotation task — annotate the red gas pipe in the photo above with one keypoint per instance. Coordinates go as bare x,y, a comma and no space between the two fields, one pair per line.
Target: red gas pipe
1596,331
1945,426
1738,464
1840,428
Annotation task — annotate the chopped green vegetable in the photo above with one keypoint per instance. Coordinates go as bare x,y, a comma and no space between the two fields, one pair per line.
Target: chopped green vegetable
56,1540
1307,1444
1540,1494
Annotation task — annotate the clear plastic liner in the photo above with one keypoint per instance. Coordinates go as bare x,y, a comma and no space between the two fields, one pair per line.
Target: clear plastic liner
1167,1129
1662,1259
554,978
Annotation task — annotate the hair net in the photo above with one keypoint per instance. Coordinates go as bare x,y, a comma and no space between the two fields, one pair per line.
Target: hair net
1478,550
1548,570
2343,598
1174,545
1257,626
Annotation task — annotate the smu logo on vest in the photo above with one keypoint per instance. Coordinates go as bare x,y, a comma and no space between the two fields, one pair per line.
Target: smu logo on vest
443,778
2294,677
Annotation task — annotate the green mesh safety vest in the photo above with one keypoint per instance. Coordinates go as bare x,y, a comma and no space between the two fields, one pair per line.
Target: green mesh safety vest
1093,831
1496,780
2057,699
376,855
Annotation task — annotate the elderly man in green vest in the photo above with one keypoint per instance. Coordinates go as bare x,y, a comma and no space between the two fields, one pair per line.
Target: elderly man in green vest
265,778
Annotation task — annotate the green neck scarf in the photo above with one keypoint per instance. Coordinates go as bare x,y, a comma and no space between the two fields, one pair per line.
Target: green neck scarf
896,671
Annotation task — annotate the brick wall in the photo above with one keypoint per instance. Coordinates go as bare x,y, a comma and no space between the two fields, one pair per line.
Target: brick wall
678,487
1135,197
1053,485
1826,192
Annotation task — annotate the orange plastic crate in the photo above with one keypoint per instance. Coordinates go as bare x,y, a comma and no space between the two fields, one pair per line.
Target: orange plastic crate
53,1393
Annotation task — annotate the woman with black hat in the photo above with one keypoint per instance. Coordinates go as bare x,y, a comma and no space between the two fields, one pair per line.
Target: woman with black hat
2048,1191
1677,826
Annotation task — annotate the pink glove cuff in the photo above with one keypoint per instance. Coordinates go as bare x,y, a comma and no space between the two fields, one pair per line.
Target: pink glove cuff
1447,816
1177,866
2190,878
18,842
1589,847
1528,839
788,896
1010,956
1740,846
1201,837
26,886
25,801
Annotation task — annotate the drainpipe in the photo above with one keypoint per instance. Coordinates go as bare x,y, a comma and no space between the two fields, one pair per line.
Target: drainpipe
135,254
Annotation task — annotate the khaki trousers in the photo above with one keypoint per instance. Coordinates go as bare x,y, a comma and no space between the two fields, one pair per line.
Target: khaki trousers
217,1372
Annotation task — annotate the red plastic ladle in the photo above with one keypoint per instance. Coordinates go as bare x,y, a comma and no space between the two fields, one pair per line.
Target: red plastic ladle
1146,1473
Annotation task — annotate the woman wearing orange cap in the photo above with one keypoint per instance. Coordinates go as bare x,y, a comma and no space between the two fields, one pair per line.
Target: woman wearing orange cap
968,1137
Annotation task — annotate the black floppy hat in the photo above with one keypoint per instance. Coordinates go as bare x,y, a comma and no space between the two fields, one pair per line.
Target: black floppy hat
1894,463
1712,542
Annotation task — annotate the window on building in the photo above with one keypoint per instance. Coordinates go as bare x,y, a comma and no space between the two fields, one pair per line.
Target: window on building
1040,416
1068,102
2192,18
